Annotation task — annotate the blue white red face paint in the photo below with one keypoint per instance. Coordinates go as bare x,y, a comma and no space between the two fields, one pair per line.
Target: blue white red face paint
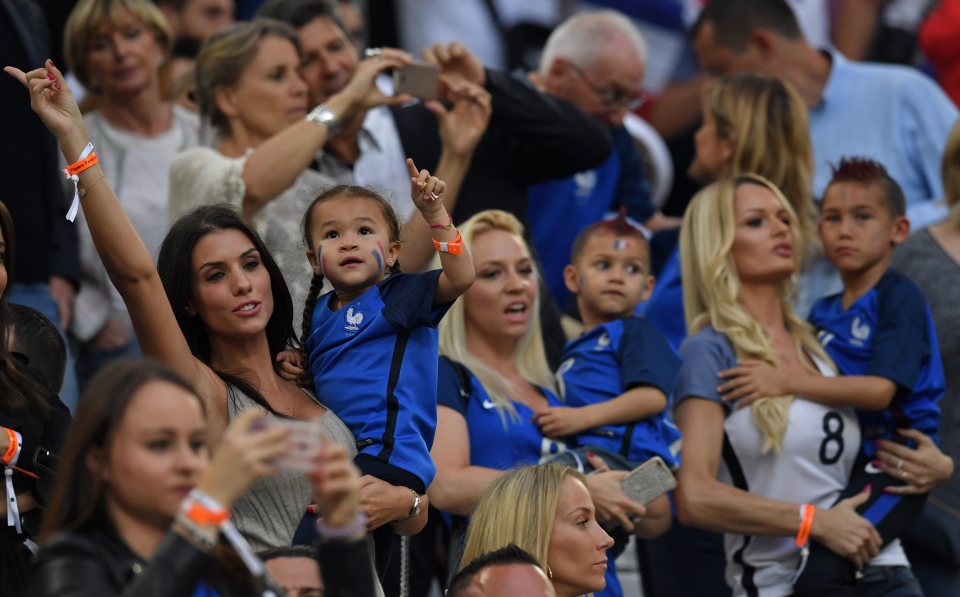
620,244
378,255
322,260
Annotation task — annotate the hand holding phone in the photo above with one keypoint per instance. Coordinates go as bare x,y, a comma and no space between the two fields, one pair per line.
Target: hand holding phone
418,79
305,443
648,481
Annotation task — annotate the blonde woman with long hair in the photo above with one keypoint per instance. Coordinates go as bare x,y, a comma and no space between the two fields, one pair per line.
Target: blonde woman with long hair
759,474
753,123
552,517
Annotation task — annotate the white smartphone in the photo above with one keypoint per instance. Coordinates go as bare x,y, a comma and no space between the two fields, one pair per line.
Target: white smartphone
648,481
305,443
419,79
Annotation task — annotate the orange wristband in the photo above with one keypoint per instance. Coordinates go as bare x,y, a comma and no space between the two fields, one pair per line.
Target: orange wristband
204,516
81,165
806,523
454,247
12,447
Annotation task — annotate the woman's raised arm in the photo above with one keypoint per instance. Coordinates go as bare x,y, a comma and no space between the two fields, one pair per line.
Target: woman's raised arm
124,255
275,164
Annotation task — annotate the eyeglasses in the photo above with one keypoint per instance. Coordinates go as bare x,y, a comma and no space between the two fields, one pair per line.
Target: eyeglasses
613,97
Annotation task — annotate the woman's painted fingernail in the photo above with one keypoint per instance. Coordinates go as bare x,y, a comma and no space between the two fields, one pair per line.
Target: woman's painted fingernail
50,76
590,454
867,489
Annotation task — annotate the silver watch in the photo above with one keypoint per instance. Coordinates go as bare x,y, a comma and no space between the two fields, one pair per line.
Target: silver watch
415,511
324,116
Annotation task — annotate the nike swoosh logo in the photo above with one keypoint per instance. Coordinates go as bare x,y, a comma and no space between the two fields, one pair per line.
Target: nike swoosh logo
872,469
488,405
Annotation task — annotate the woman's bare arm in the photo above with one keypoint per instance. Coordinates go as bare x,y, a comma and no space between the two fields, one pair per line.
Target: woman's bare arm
458,485
705,502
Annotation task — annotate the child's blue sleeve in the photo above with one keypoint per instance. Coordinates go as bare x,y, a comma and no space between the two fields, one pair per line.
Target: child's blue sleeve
900,343
646,358
450,390
408,300
703,357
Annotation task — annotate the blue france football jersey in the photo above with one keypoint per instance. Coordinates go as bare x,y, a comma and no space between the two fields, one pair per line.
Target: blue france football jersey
888,332
374,363
606,362
499,442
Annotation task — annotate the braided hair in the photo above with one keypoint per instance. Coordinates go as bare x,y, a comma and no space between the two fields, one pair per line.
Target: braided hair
316,282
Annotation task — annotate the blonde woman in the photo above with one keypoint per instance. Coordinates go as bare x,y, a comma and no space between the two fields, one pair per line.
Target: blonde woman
768,476
552,517
494,378
752,123
248,87
116,49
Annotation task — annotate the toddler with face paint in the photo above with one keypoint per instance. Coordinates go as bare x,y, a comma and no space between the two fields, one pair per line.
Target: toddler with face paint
371,342
615,378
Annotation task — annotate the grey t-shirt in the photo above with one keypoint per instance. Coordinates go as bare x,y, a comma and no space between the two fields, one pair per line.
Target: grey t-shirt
925,262
704,355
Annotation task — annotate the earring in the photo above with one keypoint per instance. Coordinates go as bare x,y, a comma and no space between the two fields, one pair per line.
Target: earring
549,571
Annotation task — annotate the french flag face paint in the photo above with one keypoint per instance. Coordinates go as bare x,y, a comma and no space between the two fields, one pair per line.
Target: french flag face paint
322,259
619,244
378,253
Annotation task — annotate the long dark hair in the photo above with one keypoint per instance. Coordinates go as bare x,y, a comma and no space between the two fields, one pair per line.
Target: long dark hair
316,282
78,501
174,266
18,392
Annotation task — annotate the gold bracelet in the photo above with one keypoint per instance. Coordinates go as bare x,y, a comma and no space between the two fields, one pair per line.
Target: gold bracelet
83,191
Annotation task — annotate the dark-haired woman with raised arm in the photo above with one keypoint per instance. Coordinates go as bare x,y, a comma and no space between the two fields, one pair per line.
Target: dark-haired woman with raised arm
218,285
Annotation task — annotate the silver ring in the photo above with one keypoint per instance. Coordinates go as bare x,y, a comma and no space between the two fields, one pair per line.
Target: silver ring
372,53
899,463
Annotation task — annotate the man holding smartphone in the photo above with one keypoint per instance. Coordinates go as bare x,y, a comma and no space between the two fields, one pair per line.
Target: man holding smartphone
532,136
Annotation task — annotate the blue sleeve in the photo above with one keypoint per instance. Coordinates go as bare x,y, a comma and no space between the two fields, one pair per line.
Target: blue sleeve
703,356
900,344
646,358
449,387
928,116
408,300
632,189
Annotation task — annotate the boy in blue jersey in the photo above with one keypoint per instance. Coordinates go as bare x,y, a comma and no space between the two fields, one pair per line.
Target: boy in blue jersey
879,332
616,377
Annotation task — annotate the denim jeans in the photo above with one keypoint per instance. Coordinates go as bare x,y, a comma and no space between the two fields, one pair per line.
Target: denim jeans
37,296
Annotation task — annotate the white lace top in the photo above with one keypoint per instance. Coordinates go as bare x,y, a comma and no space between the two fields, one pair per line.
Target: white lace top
204,176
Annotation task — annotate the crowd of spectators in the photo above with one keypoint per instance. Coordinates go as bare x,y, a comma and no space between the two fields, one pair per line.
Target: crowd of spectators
678,273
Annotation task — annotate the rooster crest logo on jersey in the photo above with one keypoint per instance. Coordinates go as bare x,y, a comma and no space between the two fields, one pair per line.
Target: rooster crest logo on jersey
859,331
353,320
603,341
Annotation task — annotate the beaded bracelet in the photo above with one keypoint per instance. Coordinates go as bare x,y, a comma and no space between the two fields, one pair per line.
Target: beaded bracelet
446,226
